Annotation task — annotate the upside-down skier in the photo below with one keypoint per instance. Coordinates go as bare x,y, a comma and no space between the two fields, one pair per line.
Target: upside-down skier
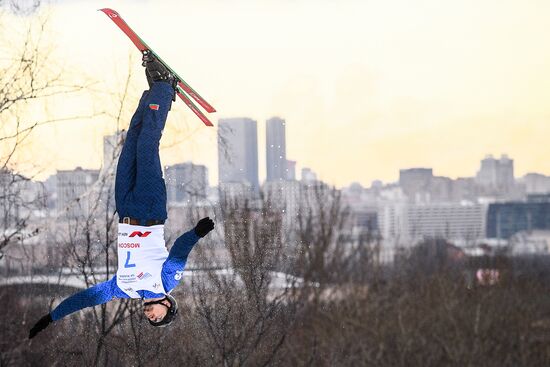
145,268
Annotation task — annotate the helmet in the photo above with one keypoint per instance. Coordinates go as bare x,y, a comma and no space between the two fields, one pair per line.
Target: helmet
170,315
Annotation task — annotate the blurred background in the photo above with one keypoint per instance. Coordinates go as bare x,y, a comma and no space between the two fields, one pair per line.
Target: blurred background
375,172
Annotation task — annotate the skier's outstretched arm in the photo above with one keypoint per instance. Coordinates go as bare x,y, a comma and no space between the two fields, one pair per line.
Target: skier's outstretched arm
182,247
93,296
184,244
177,258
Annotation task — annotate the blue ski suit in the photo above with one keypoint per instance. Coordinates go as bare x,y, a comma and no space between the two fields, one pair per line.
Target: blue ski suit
140,193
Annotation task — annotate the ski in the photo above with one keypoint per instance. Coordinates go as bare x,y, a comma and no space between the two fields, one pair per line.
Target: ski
193,108
182,86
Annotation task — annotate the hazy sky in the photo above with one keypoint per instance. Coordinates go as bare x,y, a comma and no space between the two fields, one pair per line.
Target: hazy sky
366,87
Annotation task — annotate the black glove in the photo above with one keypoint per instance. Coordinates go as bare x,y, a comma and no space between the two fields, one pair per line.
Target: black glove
204,226
43,323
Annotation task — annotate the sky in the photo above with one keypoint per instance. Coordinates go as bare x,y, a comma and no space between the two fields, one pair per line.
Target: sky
365,87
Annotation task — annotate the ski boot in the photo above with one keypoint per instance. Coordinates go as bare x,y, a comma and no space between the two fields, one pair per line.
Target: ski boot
155,71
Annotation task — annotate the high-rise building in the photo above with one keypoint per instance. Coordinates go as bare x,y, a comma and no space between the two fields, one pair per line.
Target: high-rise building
50,186
506,219
441,189
72,185
284,195
112,145
291,170
276,163
20,198
496,174
407,223
464,188
308,176
238,151
416,183
235,191
363,206
185,181
536,183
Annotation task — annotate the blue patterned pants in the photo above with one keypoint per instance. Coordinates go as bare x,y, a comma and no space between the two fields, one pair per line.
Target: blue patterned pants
140,191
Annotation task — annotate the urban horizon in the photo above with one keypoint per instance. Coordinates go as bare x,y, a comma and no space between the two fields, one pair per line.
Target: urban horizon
365,185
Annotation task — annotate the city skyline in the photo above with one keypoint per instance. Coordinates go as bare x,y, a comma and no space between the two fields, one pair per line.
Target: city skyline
354,110
490,206
536,178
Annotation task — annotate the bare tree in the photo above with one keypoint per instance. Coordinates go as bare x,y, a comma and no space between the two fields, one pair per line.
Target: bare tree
21,7
243,312
28,78
324,242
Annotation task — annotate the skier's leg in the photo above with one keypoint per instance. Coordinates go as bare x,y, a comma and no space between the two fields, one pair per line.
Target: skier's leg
150,191
126,169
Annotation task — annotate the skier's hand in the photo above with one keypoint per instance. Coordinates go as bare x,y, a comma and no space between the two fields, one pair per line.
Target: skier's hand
204,226
43,323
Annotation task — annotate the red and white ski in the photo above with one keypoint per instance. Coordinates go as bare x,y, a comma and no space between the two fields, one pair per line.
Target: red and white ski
182,87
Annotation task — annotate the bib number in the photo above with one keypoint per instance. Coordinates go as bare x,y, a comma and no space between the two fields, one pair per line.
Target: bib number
127,263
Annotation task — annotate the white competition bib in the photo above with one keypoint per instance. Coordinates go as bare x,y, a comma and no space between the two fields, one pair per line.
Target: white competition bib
141,253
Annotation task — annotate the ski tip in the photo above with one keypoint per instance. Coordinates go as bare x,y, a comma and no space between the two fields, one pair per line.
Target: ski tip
110,12
207,122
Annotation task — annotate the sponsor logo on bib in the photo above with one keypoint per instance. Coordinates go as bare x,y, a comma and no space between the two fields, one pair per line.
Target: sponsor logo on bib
143,275
140,234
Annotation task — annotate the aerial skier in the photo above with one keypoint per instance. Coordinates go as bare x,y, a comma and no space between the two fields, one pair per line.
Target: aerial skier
146,270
